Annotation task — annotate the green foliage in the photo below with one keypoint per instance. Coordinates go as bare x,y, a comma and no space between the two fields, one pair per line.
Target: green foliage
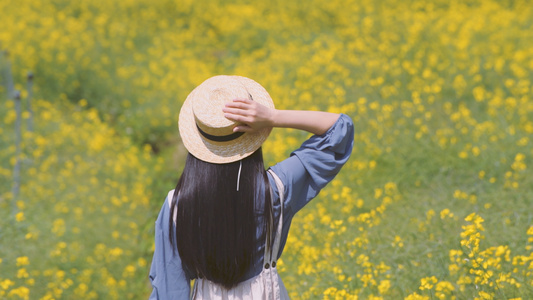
440,93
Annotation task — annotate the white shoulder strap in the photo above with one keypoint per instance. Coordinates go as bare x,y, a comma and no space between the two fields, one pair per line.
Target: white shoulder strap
169,200
271,255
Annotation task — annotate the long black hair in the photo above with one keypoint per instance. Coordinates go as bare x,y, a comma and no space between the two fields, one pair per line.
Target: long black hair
216,225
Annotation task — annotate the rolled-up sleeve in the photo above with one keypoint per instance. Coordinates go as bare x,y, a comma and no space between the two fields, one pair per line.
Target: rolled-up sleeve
315,163
167,276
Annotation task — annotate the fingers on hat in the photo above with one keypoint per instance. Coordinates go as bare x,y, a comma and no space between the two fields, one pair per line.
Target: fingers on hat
237,118
234,111
243,100
242,128
238,104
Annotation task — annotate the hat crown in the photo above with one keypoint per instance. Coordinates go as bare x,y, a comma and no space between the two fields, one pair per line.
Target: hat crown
211,96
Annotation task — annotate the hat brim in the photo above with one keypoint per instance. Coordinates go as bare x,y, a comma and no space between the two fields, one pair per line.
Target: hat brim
222,152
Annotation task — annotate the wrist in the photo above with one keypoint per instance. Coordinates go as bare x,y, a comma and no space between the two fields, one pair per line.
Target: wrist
273,118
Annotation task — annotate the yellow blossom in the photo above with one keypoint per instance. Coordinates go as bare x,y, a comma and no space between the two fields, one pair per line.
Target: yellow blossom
22,261
427,283
20,216
6,283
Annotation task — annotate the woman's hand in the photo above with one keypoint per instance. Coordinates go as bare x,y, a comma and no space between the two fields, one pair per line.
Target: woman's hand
250,115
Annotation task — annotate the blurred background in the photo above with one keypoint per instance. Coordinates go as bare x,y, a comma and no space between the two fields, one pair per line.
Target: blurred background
435,202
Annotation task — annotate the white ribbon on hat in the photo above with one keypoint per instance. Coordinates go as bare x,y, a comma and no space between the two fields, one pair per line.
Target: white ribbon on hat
239,175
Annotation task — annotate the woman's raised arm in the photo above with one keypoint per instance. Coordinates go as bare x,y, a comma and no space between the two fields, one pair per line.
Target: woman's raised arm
253,116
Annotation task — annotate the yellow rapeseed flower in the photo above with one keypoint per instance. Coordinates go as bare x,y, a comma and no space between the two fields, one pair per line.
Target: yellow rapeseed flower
19,217
427,283
22,273
22,292
384,286
415,296
485,296
22,261
6,283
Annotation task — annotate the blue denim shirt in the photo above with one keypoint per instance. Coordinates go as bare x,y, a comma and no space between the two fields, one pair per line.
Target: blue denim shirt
304,174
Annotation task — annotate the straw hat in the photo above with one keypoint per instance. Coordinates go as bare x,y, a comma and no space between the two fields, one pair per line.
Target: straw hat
204,130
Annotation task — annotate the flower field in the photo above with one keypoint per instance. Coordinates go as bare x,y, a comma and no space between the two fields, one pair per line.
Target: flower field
436,201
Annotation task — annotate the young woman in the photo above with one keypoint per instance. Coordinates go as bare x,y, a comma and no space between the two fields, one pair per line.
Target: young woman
226,222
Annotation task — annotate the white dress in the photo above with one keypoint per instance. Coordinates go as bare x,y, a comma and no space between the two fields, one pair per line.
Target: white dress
265,286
